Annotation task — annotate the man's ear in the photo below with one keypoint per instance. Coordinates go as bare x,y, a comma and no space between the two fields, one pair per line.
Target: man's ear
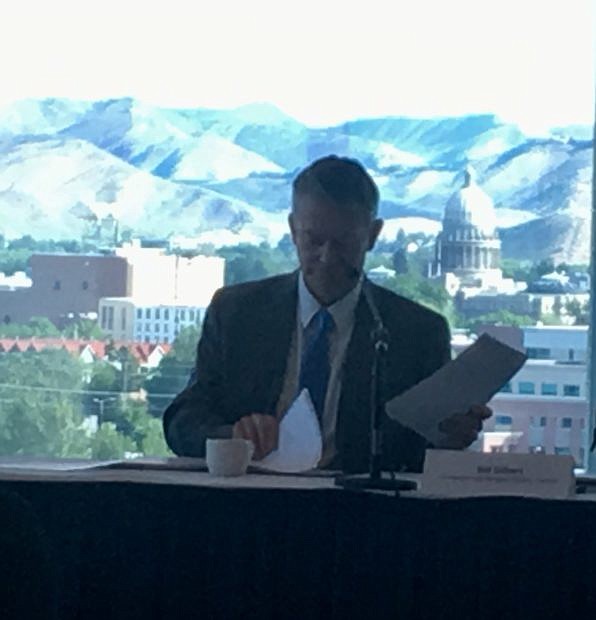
374,232
292,227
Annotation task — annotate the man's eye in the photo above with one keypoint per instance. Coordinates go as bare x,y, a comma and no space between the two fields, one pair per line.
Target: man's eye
312,239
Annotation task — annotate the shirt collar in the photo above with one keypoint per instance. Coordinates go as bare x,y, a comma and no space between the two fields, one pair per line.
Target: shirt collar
342,310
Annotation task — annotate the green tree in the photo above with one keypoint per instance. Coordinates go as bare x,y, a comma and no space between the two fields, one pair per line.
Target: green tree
44,412
424,291
130,378
40,412
38,326
501,317
400,261
85,329
153,442
104,377
41,424
580,312
108,443
174,370
246,262
145,430
26,242
12,261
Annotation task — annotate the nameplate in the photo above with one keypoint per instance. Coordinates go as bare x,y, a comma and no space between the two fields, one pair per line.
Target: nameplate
452,473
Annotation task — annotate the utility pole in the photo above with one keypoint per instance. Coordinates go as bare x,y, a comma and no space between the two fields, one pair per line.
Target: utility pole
101,402
124,369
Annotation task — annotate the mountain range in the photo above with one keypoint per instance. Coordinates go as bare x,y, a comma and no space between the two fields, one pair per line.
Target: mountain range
224,176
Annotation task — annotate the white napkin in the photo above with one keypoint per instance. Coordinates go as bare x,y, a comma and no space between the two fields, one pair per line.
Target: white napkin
300,444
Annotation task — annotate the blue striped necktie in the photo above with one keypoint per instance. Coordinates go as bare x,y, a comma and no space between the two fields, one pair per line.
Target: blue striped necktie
315,366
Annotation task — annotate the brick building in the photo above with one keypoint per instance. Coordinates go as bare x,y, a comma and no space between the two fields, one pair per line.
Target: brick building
65,286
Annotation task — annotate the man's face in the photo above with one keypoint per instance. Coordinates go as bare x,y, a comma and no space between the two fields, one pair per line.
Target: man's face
331,243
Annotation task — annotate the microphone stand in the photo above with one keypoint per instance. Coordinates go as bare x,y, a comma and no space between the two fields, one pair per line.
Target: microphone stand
375,480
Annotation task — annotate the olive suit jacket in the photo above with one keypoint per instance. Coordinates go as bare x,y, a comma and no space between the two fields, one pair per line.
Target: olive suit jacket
241,364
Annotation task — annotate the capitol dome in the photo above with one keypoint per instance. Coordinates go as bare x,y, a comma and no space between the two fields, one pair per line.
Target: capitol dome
468,245
470,207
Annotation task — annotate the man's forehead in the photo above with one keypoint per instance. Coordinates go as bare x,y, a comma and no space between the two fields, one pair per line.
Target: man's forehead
343,211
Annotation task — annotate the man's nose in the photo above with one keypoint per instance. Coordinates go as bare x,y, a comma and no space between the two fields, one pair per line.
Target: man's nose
326,252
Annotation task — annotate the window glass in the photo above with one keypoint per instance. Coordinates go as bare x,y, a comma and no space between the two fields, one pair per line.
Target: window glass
538,353
571,390
562,450
538,421
162,177
503,421
548,389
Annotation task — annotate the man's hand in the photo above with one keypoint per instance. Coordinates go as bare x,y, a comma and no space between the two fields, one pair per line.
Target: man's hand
261,429
461,429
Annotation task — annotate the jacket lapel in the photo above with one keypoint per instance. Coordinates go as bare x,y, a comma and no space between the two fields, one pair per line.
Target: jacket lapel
353,420
278,323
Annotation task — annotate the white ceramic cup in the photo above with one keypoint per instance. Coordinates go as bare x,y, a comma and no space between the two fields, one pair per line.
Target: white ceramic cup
228,457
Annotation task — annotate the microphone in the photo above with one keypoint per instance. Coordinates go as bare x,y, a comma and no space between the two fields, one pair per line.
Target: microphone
379,334
375,480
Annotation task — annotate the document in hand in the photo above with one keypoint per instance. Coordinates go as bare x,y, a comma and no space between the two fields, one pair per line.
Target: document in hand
473,377
300,444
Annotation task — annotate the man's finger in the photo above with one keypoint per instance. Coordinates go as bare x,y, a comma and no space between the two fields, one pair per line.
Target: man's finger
271,433
469,437
248,431
258,422
452,423
267,428
480,411
461,430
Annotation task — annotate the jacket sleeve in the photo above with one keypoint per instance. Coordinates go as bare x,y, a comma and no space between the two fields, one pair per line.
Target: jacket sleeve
438,349
405,449
197,412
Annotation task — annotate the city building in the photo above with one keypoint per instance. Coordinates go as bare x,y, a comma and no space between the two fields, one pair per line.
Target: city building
533,305
544,408
467,261
147,355
64,287
468,249
168,292
170,278
125,318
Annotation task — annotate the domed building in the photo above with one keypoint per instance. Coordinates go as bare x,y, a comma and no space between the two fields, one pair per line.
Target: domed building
468,248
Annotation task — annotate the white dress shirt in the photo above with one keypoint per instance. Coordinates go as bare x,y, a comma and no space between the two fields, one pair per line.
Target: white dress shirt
342,312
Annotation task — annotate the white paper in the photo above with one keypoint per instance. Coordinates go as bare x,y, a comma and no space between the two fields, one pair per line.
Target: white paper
473,377
299,445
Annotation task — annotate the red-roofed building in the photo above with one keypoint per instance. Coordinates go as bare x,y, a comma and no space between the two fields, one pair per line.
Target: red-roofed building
148,355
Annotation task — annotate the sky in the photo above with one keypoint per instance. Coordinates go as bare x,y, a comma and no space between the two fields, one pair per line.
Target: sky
323,62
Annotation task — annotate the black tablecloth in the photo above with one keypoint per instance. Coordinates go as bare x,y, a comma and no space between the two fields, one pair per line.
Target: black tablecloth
124,550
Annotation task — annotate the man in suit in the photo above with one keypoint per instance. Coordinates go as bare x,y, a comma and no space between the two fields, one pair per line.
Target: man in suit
262,342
